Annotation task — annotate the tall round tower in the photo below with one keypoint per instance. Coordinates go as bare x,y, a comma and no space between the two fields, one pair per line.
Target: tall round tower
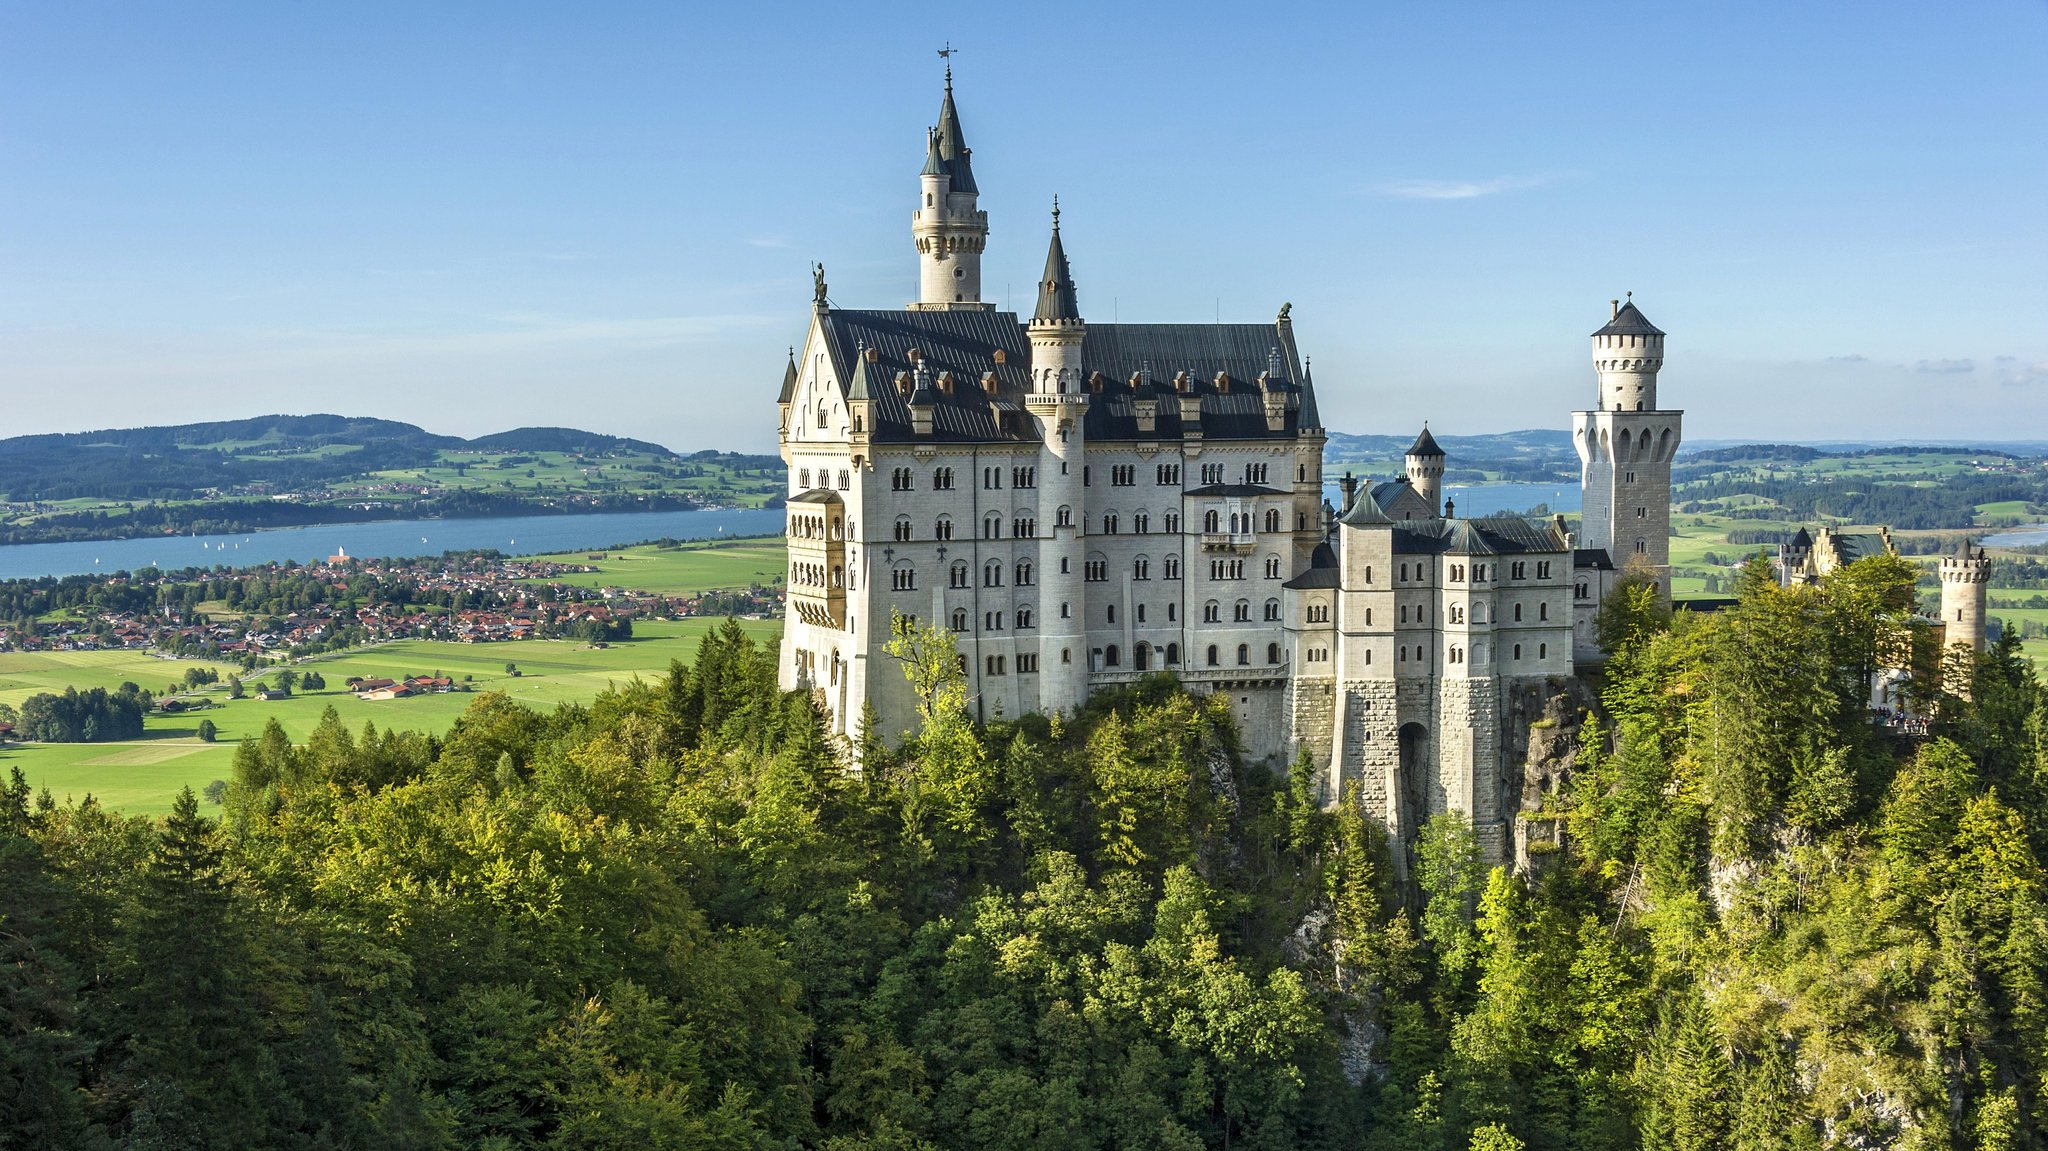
1426,470
1627,353
1965,578
1059,402
949,229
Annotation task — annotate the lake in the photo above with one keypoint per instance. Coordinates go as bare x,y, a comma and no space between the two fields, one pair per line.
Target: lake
521,535
2017,537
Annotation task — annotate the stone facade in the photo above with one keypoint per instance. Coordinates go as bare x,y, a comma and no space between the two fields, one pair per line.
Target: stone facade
1082,504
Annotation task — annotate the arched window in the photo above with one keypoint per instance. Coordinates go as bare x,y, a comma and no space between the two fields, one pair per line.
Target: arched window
1272,519
1244,655
1141,657
943,529
1109,523
959,576
1209,520
1109,614
1542,611
1024,573
1242,611
1141,568
1064,517
1212,612
1110,658
992,574
960,619
992,526
1542,651
1272,653
1141,523
1212,655
1642,548
1172,654
1518,613
1024,618
1272,610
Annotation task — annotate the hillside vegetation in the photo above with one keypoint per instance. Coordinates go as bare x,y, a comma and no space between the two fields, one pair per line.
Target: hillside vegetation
673,918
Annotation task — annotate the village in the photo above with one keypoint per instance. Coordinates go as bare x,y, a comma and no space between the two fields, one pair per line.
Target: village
256,615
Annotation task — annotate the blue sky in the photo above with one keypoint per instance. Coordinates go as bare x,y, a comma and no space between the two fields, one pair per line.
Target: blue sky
603,215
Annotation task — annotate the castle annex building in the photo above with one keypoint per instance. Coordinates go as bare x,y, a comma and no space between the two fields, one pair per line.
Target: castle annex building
1083,503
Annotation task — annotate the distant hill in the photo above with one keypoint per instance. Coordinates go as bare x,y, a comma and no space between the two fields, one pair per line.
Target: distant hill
179,462
1537,455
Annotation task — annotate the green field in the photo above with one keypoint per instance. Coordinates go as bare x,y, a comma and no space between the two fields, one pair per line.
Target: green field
686,569
143,776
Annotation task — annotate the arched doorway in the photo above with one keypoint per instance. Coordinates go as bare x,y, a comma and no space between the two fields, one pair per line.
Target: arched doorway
1141,656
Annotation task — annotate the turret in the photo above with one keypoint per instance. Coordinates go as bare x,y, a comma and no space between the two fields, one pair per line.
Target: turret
949,229
1627,353
1056,328
1426,470
1965,577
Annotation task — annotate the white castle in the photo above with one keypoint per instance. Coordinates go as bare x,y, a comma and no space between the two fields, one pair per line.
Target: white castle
1085,503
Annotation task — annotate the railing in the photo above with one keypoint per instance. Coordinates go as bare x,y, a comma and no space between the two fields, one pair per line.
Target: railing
1229,541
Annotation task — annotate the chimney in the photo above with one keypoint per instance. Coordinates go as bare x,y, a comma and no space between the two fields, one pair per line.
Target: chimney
1614,309
1349,485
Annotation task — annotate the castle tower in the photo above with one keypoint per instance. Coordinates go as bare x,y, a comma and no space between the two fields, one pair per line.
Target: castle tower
1426,470
949,229
1965,576
1625,447
1058,402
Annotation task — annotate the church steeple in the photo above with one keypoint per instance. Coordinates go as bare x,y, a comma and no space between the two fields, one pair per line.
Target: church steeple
949,229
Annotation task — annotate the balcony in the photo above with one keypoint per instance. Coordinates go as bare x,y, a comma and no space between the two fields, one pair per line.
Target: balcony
1241,543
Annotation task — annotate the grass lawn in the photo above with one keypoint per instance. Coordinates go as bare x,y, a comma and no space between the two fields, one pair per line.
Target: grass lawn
684,570
143,776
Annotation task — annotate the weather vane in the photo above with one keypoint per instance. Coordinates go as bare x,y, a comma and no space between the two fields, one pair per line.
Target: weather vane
946,53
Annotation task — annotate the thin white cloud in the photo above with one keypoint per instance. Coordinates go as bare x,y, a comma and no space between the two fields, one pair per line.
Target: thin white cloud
1460,189
1944,367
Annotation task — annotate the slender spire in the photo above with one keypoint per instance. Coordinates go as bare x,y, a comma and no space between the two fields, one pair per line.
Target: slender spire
950,143
789,378
1056,303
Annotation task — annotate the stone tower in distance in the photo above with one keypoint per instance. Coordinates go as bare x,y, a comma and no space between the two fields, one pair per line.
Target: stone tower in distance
949,228
1625,447
1965,575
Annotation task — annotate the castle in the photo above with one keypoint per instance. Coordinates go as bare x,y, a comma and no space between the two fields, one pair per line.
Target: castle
1084,503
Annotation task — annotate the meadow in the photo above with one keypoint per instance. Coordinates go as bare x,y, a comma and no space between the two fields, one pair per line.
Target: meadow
144,776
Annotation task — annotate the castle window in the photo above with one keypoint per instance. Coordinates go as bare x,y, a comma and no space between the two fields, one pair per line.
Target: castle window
1255,473
1141,568
1272,610
1109,614
1172,653
1518,613
1172,612
1542,611
1212,655
1123,475
1066,655
1168,474
1404,572
942,480
1404,613
959,574
1518,651
1064,517
1457,614
1543,569
1579,592
1027,663
1368,657
1642,548
1109,523
1024,527
1095,571
1241,612
1542,651
1066,612
1212,612
1110,657
992,478
804,478
943,529
1642,513
1457,655
1141,613
1518,571
1244,655
845,480
902,528
960,619
1086,475
1272,567
1272,653
1172,567
992,574
1066,566
1212,473
995,665
992,526
1211,522
1023,477
1401,655
1628,477
1272,519
1024,573
1024,618
992,621
1141,523
903,579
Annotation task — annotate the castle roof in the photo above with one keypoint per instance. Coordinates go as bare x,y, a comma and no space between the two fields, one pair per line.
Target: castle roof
1629,321
967,344
789,380
1491,535
1056,288
1425,445
947,152
1322,570
1802,540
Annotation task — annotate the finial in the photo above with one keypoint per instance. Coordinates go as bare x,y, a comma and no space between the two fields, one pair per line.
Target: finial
1055,211
946,54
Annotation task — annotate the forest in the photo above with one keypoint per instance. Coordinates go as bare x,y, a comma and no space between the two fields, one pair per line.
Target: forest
679,918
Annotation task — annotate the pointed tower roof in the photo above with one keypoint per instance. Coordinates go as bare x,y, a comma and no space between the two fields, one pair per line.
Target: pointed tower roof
1310,416
1629,321
1802,540
1056,301
1964,550
1425,445
949,144
789,380
858,387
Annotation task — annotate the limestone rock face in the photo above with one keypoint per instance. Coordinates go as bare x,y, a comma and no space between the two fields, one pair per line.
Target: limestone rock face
1550,727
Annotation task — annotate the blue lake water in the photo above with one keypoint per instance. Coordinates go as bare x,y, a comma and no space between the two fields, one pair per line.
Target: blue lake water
520,535
528,535
2018,537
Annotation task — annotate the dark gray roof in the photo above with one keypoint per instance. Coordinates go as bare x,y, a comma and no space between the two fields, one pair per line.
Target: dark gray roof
1595,558
952,151
1802,540
1322,570
1629,321
1493,535
965,343
816,496
1235,490
789,380
1425,445
1056,288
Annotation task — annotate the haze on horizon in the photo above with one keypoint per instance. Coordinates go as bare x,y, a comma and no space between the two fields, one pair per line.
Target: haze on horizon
474,217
